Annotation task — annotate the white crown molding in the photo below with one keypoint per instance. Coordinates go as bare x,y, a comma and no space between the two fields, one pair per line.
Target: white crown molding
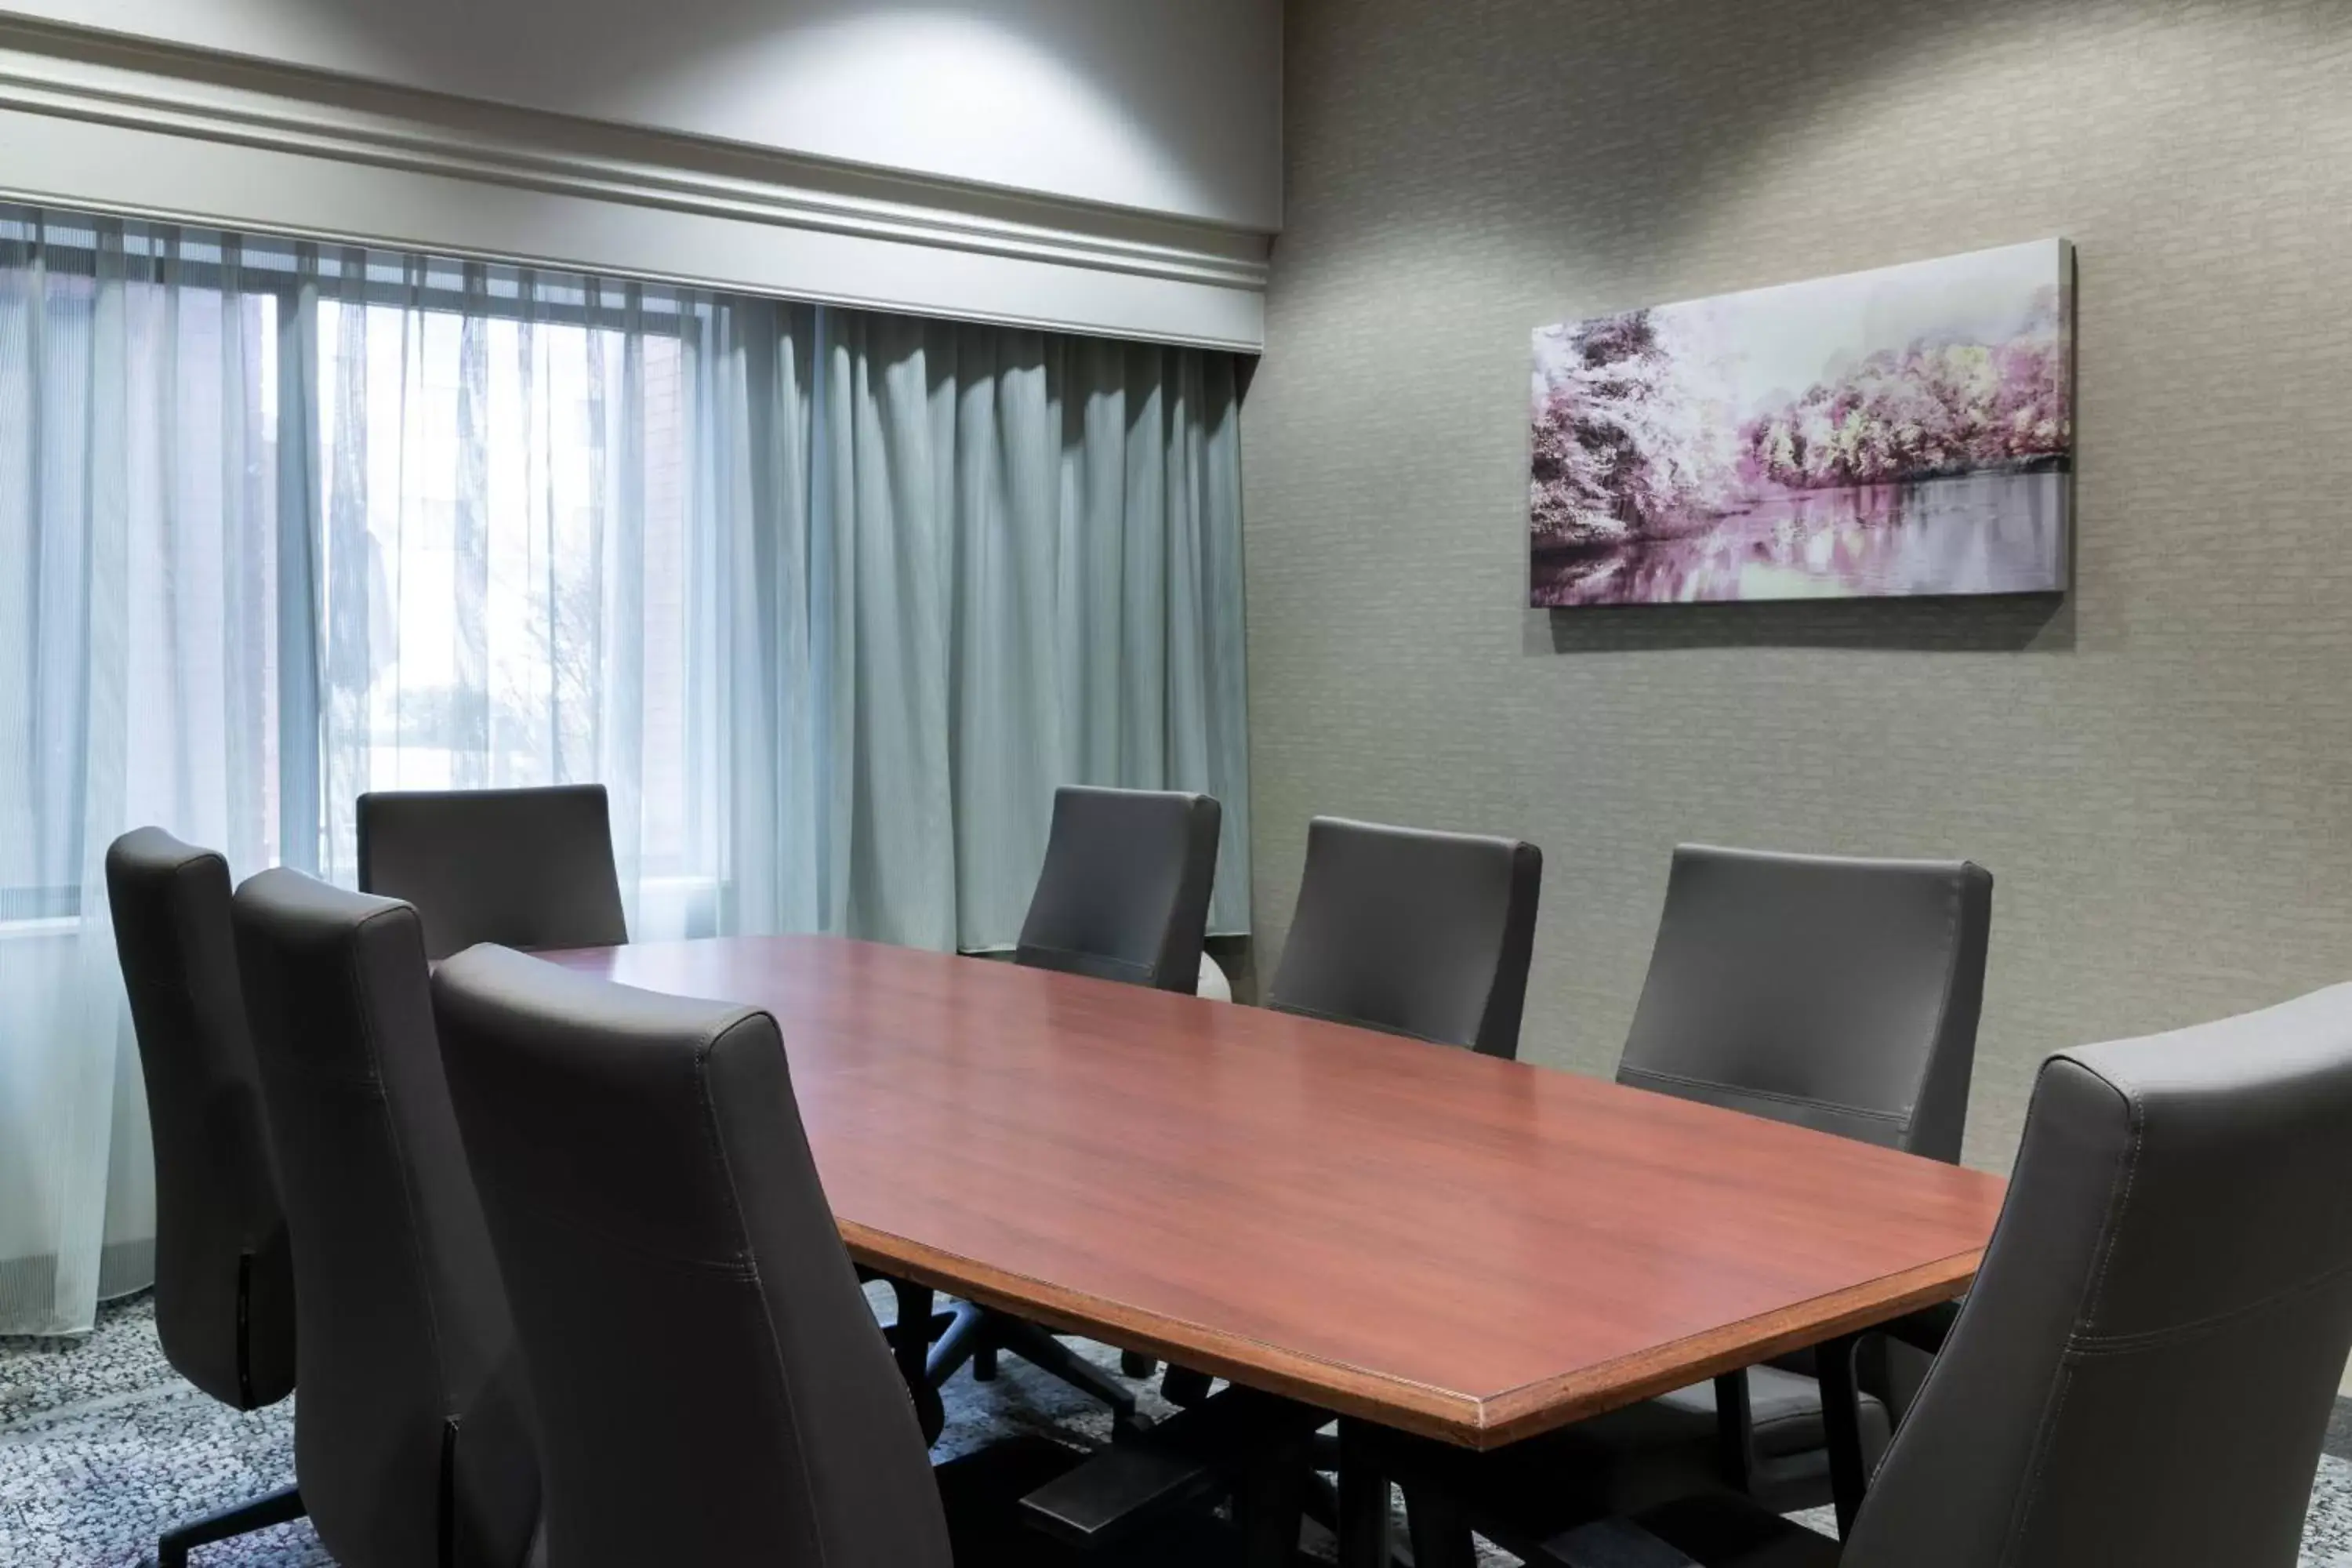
101,79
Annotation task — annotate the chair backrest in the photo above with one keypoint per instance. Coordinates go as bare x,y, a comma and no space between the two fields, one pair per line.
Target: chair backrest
1833,993
1419,934
713,1385
413,1421
522,868
2144,1370
1124,894
224,1275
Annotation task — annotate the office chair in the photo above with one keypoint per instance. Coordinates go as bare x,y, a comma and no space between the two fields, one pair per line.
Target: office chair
1412,933
522,868
224,1275
413,1440
2144,1370
1123,895
1833,993
712,1385
1838,994
1124,892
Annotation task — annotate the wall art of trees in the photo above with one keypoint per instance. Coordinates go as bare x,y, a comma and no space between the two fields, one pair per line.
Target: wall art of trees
1636,434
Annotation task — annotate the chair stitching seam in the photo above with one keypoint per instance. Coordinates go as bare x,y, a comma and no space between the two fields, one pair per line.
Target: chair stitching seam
1317,1013
558,1215
702,1054
2089,1345
1893,1116
1093,957
400,1162
2063,1383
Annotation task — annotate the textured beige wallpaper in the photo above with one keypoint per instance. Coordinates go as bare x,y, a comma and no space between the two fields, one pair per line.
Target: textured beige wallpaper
2156,770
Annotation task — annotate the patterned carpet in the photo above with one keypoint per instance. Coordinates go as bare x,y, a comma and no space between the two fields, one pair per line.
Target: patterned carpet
102,1446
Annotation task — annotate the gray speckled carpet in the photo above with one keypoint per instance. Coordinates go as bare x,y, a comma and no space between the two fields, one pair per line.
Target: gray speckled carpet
102,1446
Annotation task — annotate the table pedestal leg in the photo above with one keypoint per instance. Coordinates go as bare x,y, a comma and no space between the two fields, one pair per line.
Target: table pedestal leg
1841,1427
1439,1527
1269,1501
1363,1500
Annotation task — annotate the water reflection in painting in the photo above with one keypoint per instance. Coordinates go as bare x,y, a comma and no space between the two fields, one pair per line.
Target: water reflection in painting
1901,431
1977,533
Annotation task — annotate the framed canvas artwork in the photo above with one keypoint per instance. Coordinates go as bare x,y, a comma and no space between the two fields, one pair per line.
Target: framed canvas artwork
1904,431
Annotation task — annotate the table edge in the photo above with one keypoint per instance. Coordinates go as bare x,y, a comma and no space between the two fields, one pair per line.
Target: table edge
1541,1407
1449,1417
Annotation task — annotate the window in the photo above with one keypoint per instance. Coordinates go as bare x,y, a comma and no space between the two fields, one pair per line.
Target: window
458,556
503,475
828,601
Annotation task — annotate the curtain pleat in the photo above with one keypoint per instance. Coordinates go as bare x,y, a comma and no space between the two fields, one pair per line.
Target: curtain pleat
830,601
1036,548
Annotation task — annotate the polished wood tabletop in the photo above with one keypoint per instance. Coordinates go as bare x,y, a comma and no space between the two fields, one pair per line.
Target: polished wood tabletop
1472,1250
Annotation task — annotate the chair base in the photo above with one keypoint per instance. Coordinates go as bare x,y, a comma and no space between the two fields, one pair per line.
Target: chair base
1245,1445
977,1335
989,1526
280,1507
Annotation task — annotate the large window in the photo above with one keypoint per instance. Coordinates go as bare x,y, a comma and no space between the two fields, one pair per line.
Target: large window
487,471
504,475
828,601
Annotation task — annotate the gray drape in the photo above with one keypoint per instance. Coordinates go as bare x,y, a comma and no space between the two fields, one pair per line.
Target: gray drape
1000,561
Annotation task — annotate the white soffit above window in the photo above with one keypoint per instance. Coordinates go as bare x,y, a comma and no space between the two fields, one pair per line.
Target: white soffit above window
91,120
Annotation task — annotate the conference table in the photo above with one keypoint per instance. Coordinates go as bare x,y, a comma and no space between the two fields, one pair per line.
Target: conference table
1473,1250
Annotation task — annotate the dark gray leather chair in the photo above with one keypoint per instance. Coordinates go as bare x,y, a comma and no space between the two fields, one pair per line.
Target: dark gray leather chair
1412,933
412,1438
224,1275
522,868
713,1386
1834,993
1124,892
1839,994
1123,895
2146,1368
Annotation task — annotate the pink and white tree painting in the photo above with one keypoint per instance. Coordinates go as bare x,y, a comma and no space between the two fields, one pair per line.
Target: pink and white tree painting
1904,431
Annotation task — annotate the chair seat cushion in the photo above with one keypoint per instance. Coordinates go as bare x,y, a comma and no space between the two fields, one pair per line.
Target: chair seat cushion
1784,1410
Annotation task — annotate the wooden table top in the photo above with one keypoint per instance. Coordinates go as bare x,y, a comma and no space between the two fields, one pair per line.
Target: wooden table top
1472,1250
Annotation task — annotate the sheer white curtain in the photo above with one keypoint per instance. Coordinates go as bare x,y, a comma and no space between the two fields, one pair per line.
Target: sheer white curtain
279,525
507,529
137,539
828,602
